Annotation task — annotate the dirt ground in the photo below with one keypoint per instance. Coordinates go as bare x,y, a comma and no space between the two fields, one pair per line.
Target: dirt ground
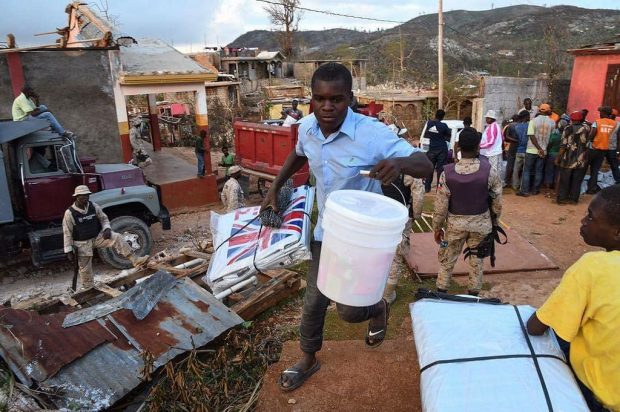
551,228
355,378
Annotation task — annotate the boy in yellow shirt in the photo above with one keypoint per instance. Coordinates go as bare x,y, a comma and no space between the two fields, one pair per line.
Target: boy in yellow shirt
584,310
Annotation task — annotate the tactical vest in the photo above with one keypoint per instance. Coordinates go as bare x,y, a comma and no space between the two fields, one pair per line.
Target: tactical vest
86,226
469,194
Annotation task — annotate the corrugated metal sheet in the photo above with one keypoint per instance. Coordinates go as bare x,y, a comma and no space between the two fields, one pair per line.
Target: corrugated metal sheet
37,346
110,371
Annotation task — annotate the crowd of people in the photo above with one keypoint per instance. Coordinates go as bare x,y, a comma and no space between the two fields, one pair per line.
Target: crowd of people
543,151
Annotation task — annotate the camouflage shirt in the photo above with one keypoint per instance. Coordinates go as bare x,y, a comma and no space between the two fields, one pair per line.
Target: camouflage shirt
232,195
471,223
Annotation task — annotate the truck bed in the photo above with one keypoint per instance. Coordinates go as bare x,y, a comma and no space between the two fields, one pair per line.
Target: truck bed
263,149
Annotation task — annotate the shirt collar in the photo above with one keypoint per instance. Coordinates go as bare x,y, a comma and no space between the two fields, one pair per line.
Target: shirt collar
79,209
347,127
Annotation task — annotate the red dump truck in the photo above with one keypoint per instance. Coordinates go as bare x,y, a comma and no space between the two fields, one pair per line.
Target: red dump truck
262,150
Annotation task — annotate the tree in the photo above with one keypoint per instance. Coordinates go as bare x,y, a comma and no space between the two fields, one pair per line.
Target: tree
555,58
285,15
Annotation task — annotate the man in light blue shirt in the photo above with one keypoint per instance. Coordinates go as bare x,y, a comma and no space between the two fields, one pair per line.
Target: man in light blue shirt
338,144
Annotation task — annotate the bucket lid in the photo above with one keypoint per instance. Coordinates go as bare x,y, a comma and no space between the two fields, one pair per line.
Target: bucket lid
367,207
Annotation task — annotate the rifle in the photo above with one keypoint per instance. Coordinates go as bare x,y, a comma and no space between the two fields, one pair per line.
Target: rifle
486,248
76,269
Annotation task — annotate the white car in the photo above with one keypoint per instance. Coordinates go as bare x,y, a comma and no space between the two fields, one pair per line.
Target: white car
455,127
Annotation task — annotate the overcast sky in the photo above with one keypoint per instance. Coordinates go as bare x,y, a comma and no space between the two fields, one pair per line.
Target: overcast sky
190,24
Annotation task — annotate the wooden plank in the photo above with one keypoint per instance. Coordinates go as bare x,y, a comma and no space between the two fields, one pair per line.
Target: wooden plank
108,290
268,295
196,254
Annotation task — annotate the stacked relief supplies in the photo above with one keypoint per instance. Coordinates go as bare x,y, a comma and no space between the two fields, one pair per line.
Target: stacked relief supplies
244,246
479,357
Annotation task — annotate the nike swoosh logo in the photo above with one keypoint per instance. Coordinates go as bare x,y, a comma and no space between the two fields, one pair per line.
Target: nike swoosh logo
371,334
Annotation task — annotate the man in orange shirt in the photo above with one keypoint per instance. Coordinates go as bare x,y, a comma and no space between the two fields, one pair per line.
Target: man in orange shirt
602,148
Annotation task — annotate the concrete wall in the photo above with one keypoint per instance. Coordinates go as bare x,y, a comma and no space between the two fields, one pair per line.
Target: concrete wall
505,94
6,91
588,82
77,87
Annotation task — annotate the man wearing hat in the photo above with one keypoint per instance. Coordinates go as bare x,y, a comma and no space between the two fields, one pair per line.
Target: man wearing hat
232,193
492,142
538,131
85,227
572,158
603,147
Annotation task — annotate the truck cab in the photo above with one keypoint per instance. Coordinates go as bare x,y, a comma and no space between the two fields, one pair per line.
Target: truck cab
39,171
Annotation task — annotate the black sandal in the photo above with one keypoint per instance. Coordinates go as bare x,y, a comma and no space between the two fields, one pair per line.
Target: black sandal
300,376
378,336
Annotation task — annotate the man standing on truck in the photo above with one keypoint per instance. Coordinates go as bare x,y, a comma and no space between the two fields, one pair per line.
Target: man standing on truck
26,106
85,226
338,143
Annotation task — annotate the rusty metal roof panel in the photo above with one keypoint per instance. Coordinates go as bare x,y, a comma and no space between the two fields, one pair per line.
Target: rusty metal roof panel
98,380
37,347
186,314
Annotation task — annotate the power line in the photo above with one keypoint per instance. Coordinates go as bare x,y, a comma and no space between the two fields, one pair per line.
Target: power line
333,13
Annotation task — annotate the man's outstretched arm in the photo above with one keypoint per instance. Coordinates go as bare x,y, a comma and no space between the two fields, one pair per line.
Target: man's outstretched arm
387,170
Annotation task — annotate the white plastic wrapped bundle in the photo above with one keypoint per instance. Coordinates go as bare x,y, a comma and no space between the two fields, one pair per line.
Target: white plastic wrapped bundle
256,246
476,357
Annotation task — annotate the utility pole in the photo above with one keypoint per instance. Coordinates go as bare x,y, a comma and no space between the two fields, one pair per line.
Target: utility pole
440,54
402,55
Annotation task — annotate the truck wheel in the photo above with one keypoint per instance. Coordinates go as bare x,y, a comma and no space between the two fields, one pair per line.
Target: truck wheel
136,233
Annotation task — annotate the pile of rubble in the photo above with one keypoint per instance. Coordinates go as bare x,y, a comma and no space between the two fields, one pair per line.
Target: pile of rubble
92,349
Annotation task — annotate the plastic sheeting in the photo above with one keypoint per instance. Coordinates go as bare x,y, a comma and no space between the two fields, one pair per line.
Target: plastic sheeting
254,246
605,179
447,331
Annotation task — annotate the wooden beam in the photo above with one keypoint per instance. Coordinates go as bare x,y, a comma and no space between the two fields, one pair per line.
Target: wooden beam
108,290
269,294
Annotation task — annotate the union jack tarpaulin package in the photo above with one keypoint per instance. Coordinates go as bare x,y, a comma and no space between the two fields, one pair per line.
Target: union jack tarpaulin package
238,258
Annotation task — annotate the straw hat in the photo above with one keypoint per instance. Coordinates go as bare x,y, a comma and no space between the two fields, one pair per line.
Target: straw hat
81,190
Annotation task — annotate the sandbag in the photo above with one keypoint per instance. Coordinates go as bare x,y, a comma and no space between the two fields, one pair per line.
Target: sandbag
476,357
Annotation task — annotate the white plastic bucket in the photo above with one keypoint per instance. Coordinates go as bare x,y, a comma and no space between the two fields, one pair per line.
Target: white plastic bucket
361,231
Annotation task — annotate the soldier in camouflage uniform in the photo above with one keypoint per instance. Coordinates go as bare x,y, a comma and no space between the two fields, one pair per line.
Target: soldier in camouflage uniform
462,206
416,187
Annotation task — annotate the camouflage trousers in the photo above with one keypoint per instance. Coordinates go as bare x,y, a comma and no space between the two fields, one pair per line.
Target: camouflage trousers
85,255
417,200
450,254
399,257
